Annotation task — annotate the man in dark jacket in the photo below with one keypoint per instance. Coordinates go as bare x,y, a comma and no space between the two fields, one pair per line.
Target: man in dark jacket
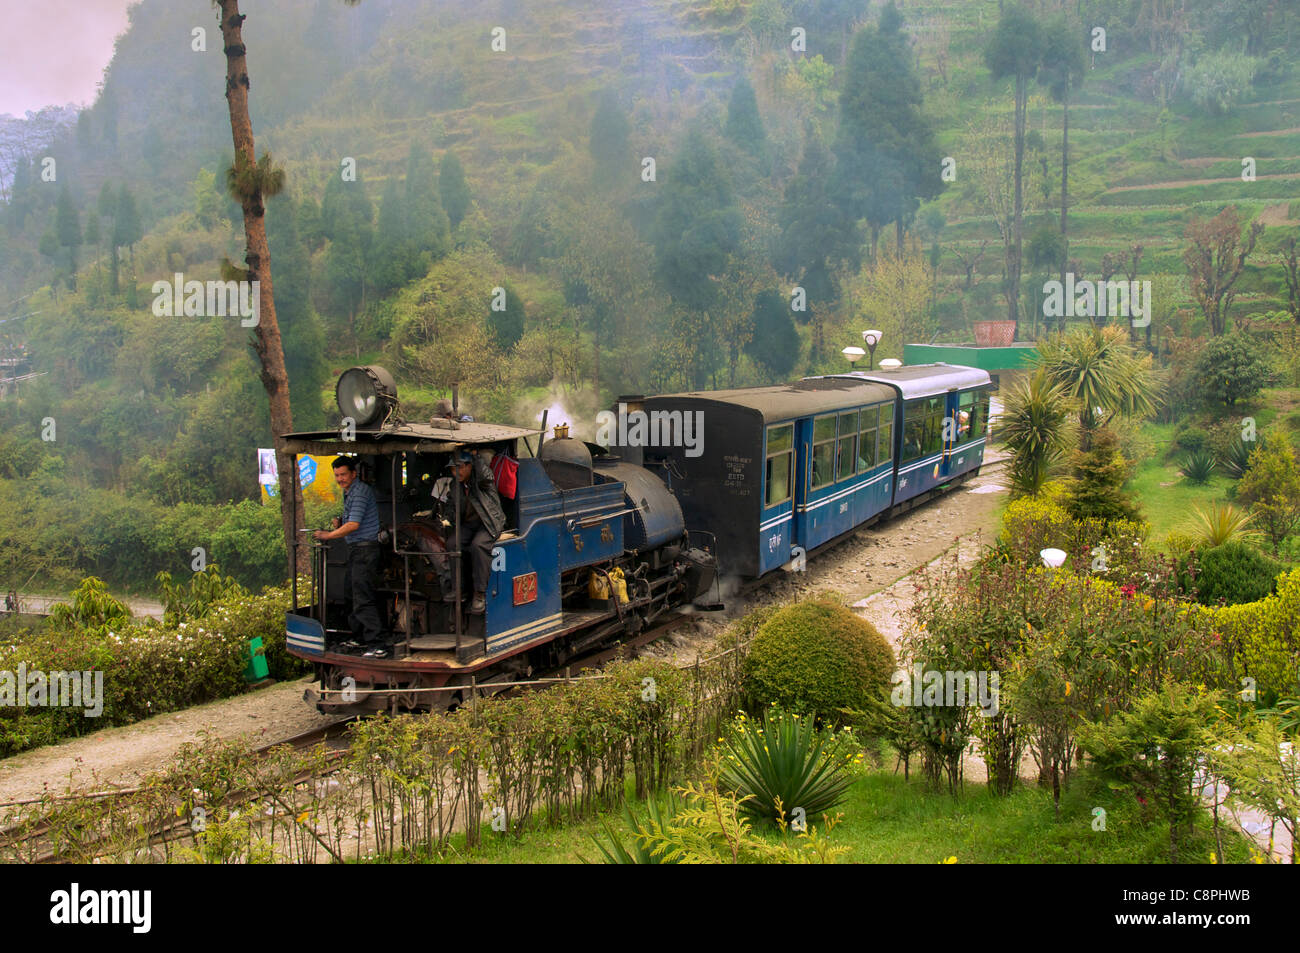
481,521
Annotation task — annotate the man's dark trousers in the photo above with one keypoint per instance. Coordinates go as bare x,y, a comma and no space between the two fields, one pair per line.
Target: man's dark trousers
477,541
362,580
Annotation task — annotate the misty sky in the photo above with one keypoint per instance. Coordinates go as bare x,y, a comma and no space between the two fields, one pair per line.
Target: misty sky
53,52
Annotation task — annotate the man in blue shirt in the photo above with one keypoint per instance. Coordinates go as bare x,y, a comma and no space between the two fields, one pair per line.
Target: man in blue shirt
359,527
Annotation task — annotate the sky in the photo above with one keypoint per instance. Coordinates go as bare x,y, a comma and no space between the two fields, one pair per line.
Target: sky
53,52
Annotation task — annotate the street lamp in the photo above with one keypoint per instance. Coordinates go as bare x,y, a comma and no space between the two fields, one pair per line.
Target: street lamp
854,354
872,338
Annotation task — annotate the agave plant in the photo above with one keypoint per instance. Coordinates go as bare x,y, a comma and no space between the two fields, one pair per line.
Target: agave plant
1198,466
1221,523
785,765
644,833
1237,459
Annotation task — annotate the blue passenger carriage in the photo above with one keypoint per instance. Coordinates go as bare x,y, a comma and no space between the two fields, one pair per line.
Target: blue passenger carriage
785,469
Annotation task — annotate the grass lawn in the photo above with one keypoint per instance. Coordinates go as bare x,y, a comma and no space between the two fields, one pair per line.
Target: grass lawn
887,820
1167,497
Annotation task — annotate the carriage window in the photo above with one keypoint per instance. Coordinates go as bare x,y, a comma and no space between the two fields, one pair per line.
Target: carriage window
933,440
915,414
867,440
885,442
966,417
780,457
982,426
848,435
823,451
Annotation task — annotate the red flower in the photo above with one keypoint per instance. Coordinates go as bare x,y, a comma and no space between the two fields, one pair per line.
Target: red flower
1128,589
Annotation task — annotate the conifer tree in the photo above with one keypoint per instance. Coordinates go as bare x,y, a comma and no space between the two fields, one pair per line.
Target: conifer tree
453,189
67,226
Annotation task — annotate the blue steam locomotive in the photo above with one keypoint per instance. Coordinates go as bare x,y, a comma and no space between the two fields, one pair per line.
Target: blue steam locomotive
602,539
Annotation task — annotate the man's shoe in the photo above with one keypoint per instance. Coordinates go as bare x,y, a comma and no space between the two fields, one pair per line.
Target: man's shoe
379,651
479,605
350,645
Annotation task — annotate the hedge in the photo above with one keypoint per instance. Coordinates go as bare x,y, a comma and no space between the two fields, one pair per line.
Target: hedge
147,668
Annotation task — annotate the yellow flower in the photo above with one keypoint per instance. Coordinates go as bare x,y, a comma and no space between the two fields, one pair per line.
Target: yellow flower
1067,689
951,860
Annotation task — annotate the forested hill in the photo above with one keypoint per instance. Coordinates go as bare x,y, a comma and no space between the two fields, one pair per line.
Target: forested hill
645,181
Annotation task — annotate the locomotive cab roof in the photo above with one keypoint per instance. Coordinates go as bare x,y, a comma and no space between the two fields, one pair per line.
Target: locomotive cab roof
367,397
404,437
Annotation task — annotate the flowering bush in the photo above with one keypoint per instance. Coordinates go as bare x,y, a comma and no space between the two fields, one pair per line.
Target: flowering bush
1053,636
1112,550
147,668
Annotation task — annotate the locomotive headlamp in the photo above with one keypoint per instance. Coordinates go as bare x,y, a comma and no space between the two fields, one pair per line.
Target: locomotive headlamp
1053,558
854,354
365,394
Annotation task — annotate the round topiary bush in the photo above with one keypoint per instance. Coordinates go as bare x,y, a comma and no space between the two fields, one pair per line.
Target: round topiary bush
817,657
1234,572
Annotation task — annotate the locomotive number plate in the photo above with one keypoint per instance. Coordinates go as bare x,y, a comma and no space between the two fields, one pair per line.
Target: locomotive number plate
525,588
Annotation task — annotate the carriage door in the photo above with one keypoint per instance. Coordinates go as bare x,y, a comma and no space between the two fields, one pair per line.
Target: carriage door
817,439
952,433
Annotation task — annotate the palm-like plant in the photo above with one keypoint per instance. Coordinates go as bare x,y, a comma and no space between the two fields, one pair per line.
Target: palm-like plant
1035,424
1221,523
1104,376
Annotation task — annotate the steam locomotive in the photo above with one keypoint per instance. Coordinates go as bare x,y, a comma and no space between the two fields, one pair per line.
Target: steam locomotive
603,540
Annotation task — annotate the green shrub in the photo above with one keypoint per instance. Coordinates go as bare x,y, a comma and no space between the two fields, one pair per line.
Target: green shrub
1234,572
817,657
1192,439
786,765
1153,751
1265,637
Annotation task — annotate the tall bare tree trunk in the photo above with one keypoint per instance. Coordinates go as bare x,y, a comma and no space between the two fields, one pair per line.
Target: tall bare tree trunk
1065,178
266,335
1013,261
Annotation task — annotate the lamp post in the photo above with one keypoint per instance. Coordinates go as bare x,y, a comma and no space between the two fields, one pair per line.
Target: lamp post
872,338
854,354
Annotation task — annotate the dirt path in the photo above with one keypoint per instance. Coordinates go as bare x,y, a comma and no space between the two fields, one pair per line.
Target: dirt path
119,757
